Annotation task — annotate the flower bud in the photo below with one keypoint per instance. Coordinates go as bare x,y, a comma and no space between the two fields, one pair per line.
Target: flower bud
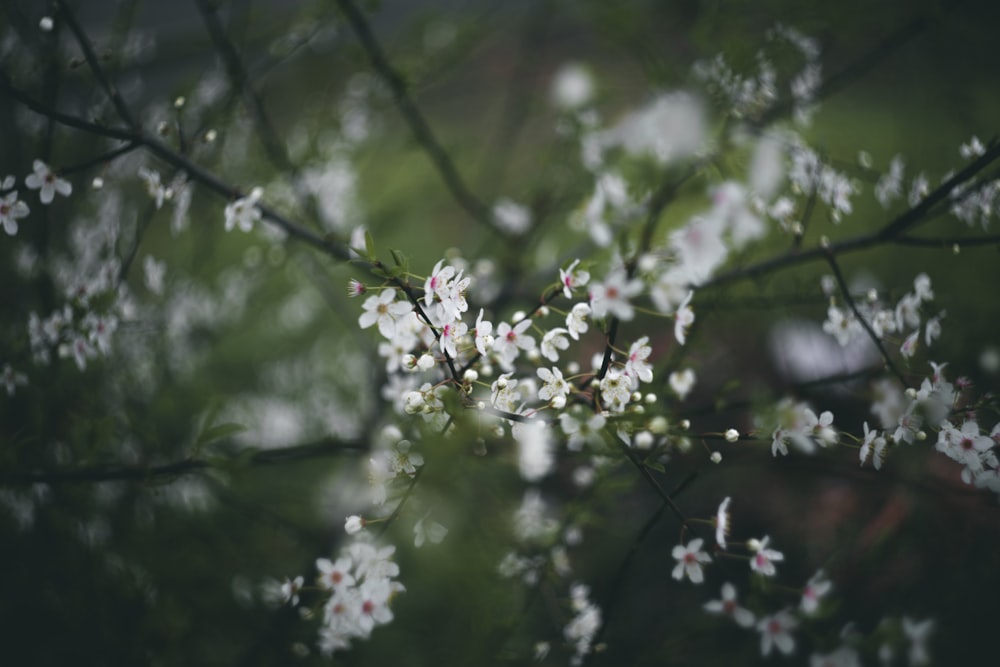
408,362
413,403
354,524
470,375
658,425
425,362
644,440
558,402
716,457
732,435
685,424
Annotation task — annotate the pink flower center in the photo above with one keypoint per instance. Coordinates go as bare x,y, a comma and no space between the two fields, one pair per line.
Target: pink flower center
367,607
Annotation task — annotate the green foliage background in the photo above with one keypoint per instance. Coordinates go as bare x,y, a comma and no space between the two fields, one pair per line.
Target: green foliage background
166,570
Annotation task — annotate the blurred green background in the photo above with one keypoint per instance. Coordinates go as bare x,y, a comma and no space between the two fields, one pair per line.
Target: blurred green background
255,330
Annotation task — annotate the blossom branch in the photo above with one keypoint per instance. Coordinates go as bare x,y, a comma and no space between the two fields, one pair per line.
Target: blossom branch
887,234
838,274
111,473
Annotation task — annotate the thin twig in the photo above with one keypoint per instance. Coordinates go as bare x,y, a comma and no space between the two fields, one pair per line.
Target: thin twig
413,116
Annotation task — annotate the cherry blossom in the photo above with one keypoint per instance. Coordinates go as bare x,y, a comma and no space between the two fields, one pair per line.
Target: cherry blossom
728,606
553,341
555,385
776,630
764,559
689,559
683,319
572,279
576,321
383,309
47,183
817,587
722,523
12,209
244,212
612,296
636,366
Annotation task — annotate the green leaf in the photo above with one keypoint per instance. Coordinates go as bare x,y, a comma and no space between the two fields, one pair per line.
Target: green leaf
400,259
654,465
218,432
370,246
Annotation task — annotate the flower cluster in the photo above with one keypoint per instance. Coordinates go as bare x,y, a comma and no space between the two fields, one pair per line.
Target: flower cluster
360,586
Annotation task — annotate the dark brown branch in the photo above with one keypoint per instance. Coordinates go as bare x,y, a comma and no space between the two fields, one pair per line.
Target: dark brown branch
111,473
413,116
889,233
846,292
95,65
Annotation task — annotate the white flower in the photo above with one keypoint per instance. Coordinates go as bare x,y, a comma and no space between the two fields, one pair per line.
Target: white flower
873,444
727,606
572,86
582,432
535,459
354,524
576,321
450,334
11,210
11,379
290,590
552,342
616,390
636,366
555,385
972,149
722,523
683,318
47,183
510,216
154,187
763,561
403,460
382,308
681,382
571,279
424,531
334,576
510,339
815,589
244,212
484,339
153,272
776,631
689,560
612,296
